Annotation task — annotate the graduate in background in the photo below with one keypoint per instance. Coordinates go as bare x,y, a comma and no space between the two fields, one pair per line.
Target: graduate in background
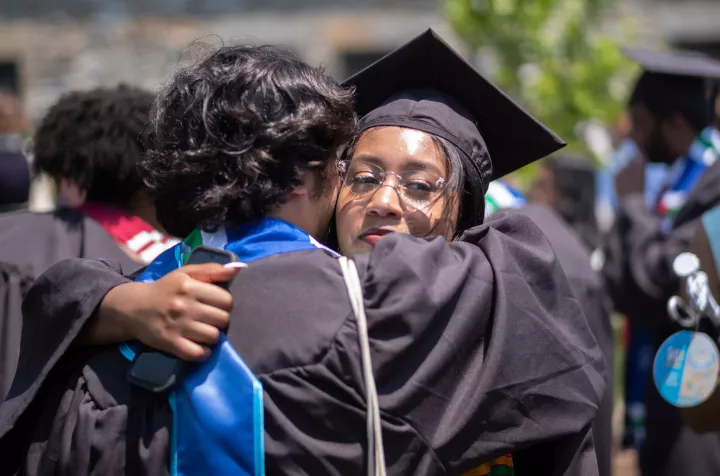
90,143
465,374
567,185
562,204
671,110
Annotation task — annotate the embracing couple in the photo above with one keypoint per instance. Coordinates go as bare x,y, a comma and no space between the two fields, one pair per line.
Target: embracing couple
482,360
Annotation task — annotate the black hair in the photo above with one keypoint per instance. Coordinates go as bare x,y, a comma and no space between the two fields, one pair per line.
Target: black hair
464,178
96,138
664,95
234,131
574,179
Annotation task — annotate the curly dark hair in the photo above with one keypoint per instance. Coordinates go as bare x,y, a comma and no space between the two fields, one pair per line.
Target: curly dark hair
234,132
96,138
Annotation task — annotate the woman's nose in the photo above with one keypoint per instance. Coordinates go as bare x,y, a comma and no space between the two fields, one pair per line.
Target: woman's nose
385,202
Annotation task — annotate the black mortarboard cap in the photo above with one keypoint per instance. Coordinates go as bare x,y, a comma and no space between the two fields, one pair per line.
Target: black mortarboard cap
426,85
676,80
692,64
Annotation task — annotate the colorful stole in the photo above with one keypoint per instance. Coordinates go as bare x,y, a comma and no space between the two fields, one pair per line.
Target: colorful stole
502,195
685,174
218,406
711,223
502,466
129,230
682,179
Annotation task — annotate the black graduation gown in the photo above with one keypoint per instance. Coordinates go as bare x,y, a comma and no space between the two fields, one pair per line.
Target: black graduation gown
640,279
29,244
589,289
477,350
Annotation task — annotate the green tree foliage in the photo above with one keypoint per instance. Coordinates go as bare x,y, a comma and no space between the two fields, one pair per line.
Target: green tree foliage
552,57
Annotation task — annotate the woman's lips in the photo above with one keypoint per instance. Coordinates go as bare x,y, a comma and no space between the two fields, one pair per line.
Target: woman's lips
373,235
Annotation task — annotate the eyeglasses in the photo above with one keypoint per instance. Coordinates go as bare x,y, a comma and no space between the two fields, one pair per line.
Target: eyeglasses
418,188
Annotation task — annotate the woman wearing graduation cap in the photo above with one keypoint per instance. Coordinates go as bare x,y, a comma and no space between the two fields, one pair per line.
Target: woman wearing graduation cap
476,346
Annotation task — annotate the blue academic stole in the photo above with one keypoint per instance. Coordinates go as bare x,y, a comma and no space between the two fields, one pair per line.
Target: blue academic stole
218,406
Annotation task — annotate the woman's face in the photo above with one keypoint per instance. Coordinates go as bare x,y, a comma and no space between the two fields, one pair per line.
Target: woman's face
394,182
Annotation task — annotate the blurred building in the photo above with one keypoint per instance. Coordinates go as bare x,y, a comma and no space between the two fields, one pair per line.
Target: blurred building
50,46
691,24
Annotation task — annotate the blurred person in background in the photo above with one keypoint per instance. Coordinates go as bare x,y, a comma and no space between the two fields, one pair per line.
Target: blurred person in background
567,185
672,123
562,203
90,143
14,167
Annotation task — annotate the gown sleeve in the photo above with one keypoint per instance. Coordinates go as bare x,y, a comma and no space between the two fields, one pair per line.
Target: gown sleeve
55,309
14,283
480,345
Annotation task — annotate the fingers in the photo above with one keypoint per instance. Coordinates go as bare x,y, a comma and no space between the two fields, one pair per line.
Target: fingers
210,272
188,350
201,333
208,294
208,314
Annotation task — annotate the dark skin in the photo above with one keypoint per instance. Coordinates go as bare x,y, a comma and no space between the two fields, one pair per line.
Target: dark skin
543,189
660,140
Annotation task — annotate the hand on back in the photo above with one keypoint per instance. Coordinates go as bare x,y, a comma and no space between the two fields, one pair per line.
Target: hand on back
181,314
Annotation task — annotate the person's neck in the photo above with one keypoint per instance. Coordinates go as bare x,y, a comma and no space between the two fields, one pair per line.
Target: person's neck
300,212
288,214
144,208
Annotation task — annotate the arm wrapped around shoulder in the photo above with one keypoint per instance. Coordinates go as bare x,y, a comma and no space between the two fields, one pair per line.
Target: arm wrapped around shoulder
479,344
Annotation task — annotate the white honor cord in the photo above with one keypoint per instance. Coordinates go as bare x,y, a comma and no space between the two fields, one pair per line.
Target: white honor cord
687,266
376,454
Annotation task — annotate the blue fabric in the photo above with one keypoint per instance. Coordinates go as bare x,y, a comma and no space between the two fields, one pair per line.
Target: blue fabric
218,408
711,223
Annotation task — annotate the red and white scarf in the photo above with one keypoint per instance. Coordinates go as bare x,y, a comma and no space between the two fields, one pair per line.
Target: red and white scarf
128,230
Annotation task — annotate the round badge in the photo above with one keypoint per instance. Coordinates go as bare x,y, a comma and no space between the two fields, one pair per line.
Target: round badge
685,370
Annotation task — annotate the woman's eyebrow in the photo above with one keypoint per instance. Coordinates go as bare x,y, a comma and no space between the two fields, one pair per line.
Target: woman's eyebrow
411,163
415,164
372,159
